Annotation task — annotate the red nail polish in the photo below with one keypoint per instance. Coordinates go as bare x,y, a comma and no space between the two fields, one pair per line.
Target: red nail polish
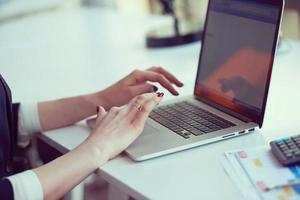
97,109
161,94
158,93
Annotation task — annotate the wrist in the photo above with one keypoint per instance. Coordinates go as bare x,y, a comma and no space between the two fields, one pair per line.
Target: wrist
97,155
97,99
105,98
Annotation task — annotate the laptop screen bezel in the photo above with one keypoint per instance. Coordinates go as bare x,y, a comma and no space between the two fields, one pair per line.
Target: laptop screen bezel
244,115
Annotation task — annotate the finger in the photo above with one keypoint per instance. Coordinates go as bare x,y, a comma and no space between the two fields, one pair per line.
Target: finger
112,113
100,114
144,76
142,89
134,106
147,107
167,74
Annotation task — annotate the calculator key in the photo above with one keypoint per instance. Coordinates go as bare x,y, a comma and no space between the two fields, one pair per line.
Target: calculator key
288,152
296,138
279,142
283,146
284,149
289,155
287,140
290,143
297,153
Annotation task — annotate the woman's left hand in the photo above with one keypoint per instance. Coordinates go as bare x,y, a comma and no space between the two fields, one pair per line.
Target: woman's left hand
137,83
116,129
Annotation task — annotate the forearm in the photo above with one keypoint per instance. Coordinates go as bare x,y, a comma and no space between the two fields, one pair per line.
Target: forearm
61,175
67,111
113,133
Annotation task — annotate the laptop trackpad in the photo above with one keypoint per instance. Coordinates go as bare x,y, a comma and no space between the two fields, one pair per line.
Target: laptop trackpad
148,130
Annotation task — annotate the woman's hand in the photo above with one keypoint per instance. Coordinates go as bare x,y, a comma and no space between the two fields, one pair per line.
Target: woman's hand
63,112
137,83
115,130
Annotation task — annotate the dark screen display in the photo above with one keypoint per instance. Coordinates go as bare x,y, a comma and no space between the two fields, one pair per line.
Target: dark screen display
237,54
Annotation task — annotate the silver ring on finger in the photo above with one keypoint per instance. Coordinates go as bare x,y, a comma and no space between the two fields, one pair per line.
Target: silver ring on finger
138,106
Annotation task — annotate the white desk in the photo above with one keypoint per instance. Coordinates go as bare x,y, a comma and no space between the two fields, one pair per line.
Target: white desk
72,52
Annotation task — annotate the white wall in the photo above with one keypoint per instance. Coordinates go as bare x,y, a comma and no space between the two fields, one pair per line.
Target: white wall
106,3
9,8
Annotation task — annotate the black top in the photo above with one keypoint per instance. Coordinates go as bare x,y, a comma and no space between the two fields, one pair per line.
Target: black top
8,135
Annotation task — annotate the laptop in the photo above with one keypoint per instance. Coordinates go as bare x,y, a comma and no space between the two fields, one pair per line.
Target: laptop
238,48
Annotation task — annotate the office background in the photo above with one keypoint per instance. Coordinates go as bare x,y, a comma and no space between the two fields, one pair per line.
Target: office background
11,11
18,8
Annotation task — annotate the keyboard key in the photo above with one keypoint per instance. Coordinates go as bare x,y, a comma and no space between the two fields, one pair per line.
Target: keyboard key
197,132
185,119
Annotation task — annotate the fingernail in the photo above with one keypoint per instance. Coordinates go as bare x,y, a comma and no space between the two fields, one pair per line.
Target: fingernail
97,109
161,94
158,93
155,88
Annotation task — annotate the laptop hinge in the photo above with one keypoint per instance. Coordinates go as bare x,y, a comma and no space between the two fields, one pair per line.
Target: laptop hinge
223,109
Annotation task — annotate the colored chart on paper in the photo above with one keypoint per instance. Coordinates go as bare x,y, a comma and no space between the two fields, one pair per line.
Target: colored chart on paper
256,171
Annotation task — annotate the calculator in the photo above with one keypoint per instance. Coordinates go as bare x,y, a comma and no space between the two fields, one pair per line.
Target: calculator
287,150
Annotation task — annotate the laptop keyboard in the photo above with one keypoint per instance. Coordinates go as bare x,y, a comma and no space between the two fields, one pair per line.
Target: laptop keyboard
185,119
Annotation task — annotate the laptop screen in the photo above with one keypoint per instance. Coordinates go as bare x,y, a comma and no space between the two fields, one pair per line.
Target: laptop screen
237,53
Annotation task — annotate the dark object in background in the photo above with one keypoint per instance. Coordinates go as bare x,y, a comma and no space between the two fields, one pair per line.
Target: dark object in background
168,6
172,36
287,150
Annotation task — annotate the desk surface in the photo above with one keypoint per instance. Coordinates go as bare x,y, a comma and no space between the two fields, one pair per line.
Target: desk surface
77,51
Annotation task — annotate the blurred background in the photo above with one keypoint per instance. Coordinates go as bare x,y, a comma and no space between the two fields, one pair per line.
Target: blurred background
184,9
190,15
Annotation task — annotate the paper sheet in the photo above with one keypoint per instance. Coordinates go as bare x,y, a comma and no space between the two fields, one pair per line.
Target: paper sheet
258,175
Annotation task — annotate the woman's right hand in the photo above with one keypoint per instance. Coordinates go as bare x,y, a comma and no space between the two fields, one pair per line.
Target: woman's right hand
115,130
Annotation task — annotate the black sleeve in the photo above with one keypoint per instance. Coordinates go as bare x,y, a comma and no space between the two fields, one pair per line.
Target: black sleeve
6,190
15,121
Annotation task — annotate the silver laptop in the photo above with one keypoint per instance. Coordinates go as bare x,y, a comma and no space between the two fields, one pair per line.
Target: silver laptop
237,53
